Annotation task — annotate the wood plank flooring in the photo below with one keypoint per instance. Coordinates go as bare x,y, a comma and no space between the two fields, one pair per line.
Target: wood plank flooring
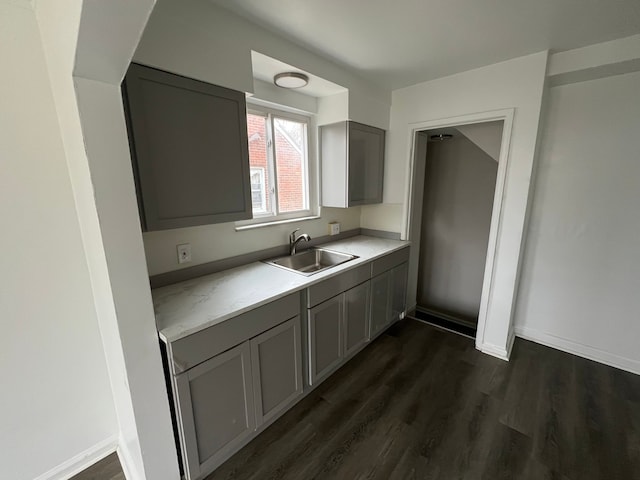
421,403
106,469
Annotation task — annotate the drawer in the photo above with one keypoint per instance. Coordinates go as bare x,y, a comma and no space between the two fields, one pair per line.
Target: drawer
387,262
198,347
336,285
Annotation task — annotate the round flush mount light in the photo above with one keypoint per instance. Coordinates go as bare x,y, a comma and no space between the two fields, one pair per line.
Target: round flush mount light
441,137
291,80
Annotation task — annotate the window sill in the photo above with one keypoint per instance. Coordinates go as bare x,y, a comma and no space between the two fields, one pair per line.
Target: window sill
275,222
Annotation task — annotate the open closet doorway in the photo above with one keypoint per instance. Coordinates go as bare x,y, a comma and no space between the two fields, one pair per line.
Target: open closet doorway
460,173
453,219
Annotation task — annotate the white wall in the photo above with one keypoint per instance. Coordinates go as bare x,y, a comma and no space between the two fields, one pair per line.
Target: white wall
219,45
514,84
460,182
200,40
146,444
271,96
100,171
384,216
580,277
601,60
56,406
214,242
487,136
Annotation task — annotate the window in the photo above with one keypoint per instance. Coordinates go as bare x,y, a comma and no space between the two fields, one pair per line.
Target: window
278,158
258,190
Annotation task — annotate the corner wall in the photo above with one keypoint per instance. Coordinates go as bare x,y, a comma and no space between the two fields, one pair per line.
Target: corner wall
580,275
516,84
88,46
56,409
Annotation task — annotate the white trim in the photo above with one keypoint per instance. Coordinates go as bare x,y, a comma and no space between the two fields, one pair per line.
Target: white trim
128,465
309,172
258,104
499,352
240,228
81,461
291,141
263,191
506,115
579,349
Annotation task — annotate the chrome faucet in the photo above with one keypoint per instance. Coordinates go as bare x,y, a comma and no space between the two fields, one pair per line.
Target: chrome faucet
293,241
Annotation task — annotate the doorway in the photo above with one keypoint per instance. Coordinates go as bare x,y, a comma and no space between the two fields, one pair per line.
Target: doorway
460,175
480,315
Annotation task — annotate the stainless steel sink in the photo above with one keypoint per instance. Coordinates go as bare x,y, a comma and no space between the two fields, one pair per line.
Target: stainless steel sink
311,261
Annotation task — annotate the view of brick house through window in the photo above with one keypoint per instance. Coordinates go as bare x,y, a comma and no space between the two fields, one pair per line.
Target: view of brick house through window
277,150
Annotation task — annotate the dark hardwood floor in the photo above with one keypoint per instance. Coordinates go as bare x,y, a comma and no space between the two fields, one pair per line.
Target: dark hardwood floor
421,403
106,469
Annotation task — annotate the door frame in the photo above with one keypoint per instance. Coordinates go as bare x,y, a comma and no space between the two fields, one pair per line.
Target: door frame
411,221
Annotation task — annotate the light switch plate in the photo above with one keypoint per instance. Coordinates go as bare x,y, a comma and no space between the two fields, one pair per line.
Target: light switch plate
184,253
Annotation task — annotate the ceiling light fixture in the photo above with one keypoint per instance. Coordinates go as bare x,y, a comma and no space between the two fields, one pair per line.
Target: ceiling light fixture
441,136
291,80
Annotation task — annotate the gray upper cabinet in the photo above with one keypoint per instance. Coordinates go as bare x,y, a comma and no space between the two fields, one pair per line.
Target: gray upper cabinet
352,158
189,149
277,369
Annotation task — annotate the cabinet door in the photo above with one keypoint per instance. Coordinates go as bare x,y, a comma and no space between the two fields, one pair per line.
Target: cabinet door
380,302
325,344
366,164
356,318
399,297
189,149
276,361
216,409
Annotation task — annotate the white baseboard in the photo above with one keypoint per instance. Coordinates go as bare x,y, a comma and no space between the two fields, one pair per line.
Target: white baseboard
129,466
503,353
579,349
82,461
495,351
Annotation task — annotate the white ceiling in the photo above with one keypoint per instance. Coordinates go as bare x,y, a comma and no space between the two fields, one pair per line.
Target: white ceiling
403,42
265,68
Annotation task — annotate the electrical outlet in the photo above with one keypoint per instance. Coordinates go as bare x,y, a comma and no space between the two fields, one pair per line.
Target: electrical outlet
334,228
184,253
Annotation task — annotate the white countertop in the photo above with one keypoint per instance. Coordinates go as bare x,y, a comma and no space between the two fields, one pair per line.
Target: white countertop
193,305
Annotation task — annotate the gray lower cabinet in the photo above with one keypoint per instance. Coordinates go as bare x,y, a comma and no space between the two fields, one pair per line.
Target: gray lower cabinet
325,342
215,404
399,294
277,369
222,401
232,379
356,318
380,302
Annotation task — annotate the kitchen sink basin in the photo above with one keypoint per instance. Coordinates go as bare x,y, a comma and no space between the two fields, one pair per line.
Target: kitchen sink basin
311,261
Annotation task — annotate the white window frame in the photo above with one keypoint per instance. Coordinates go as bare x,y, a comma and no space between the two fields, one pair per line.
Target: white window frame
309,168
263,193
